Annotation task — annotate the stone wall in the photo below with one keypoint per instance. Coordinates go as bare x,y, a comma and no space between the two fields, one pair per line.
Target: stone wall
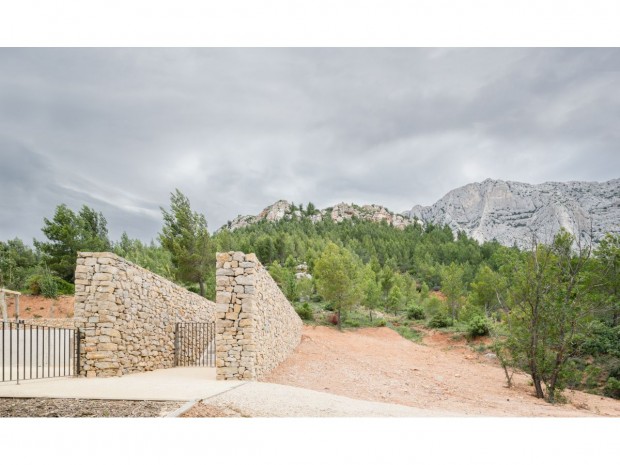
256,326
128,315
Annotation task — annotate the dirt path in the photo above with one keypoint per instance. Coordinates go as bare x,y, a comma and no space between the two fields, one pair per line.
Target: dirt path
378,364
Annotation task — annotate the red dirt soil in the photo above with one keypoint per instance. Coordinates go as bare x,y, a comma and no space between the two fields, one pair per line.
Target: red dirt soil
36,306
440,374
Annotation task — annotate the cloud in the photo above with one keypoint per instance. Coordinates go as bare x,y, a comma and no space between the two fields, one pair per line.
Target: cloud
237,129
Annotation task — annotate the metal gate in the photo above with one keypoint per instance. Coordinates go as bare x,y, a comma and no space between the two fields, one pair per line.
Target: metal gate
34,352
194,344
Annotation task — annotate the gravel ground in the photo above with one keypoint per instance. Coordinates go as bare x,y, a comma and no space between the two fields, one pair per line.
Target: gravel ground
202,410
273,400
42,407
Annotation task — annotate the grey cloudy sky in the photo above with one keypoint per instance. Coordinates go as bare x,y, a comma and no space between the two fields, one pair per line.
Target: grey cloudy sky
238,129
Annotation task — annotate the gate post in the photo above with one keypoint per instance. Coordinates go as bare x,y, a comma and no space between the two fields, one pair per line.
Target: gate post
78,348
176,344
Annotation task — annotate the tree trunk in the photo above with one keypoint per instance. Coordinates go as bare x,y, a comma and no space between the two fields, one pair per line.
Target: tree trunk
508,377
202,288
538,386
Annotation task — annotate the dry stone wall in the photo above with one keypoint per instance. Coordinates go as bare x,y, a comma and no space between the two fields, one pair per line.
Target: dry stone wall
256,326
128,315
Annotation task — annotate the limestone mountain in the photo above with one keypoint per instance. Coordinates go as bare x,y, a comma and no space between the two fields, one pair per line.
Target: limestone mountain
283,209
511,212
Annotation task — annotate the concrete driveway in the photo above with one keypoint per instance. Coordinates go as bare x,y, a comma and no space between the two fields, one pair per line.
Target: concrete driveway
181,383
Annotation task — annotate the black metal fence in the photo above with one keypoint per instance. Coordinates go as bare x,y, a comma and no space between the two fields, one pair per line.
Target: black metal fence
34,352
194,344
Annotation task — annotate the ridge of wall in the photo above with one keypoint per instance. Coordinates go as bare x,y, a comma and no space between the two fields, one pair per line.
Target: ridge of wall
256,326
128,315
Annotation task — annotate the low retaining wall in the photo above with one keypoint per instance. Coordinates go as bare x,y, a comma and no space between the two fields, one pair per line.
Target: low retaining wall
128,315
67,323
256,326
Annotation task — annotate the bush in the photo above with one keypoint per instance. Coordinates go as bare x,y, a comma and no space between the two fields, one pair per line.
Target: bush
329,307
478,326
193,288
439,320
48,285
415,312
434,305
305,312
603,339
408,333
612,388
380,322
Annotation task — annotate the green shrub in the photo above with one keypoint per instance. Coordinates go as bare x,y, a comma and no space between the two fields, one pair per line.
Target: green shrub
434,305
612,388
193,288
305,312
478,326
48,285
415,312
329,307
603,339
408,333
439,320
380,322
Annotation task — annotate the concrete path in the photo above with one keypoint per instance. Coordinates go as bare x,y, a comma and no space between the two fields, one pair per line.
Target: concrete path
181,383
189,384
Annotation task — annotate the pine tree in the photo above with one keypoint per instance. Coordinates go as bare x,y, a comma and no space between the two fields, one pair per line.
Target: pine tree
186,237
68,233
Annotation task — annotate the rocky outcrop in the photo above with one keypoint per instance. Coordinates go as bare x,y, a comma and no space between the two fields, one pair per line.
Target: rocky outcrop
279,210
512,212
338,213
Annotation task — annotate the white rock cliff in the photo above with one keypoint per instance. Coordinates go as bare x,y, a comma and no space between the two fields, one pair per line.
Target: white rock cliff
512,212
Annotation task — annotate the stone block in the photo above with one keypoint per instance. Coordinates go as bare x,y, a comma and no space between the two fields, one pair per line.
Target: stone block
224,272
98,355
107,346
244,280
223,298
107,268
